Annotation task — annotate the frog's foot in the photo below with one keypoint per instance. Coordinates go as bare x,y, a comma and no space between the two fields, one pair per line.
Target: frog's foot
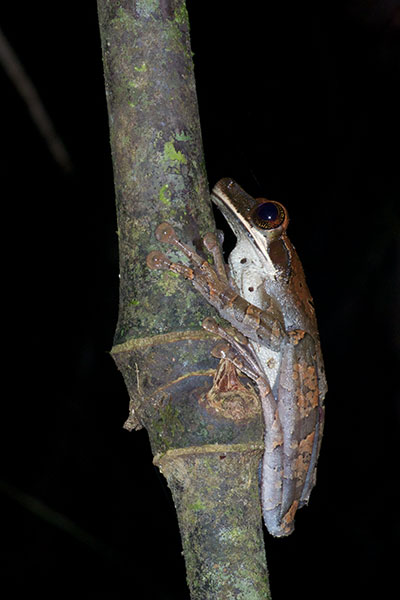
236,349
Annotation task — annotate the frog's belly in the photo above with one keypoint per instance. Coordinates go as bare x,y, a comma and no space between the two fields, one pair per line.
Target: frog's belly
269,361
250,273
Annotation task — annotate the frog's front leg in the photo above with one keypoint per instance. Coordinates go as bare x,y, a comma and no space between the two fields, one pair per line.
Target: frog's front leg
262,326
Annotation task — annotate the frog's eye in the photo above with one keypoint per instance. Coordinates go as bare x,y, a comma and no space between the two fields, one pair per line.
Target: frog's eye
268,215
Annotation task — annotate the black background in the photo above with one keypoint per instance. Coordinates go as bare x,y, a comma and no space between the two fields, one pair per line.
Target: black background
299,103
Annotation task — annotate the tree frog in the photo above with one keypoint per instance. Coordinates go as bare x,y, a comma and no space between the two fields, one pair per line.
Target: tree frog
264,296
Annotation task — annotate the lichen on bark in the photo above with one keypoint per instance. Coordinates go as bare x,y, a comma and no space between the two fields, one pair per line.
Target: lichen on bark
208,448
157,156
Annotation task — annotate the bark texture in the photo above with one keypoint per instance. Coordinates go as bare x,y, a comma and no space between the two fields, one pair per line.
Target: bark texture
208,448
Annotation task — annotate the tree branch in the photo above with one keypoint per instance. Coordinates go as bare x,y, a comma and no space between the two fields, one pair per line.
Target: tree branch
208,452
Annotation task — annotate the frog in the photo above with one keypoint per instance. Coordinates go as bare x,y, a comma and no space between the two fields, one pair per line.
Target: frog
273,338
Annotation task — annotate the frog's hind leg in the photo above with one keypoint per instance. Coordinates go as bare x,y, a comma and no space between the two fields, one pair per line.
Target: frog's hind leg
301,416
241,355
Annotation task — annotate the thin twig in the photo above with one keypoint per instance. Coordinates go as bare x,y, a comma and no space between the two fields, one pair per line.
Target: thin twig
27,90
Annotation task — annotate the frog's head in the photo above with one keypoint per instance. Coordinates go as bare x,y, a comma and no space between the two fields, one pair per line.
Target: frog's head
263,222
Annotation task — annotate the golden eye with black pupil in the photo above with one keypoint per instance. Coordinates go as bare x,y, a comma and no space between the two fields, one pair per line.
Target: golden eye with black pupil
268,215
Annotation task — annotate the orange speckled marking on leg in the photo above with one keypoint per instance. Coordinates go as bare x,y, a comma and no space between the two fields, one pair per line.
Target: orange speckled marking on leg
296,336
302,462
287,521
307,393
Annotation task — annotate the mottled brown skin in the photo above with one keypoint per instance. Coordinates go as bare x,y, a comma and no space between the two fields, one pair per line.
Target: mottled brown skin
276,335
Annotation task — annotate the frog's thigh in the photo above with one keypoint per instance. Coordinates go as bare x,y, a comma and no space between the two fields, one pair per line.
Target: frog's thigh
298,402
